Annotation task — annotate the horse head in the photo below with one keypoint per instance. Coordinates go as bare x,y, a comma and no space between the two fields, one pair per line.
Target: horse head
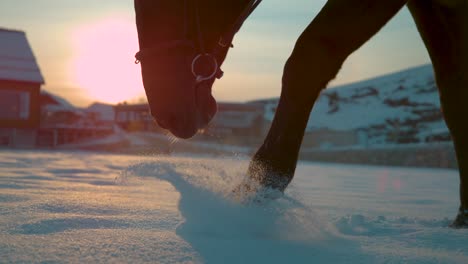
180,55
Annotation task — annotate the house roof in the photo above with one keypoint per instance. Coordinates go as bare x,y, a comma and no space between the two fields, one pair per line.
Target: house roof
53,103
17,61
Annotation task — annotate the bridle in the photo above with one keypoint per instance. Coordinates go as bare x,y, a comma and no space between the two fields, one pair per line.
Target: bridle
198,47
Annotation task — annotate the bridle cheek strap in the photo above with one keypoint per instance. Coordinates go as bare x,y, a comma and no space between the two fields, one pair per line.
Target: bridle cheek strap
213,58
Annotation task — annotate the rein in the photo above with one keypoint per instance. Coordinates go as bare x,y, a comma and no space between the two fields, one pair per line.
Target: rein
225,41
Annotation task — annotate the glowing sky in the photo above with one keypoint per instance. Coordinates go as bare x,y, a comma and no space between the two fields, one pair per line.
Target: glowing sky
85,48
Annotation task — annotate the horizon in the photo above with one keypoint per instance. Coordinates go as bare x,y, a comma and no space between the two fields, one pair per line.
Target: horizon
339,86
91,59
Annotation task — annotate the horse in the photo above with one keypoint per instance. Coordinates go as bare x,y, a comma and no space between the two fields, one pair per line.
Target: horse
184,43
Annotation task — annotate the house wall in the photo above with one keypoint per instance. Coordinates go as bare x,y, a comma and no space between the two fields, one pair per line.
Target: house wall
19,105
16,137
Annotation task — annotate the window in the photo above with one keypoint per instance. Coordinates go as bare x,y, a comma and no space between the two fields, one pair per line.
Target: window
14,105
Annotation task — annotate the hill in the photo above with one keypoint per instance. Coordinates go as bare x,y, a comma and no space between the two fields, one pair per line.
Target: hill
401,107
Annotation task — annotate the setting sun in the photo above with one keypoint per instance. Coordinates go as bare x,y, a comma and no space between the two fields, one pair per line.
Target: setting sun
102,63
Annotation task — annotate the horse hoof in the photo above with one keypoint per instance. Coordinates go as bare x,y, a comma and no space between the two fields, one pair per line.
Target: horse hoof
249,192
254,190
461,221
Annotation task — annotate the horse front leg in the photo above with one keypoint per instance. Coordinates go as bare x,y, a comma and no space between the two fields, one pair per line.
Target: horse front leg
306,73
340,28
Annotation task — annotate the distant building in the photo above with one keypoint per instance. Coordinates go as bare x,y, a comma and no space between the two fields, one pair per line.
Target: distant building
62,123
20,84
103,113
57,111
134,117
243,123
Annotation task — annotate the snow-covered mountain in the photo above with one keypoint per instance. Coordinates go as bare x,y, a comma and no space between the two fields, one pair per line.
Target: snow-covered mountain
402,107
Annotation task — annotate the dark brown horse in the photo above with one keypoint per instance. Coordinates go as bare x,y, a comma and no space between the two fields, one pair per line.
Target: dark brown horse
181,52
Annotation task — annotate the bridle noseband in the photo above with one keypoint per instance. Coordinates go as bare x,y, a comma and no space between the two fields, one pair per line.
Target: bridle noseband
213,57
214,63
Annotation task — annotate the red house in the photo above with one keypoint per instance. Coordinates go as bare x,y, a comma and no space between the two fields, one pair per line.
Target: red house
20,84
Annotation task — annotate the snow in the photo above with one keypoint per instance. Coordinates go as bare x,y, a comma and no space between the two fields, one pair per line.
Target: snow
372,110
93,208
17,61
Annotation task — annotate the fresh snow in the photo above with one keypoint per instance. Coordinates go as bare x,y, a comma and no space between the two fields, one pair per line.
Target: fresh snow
62,207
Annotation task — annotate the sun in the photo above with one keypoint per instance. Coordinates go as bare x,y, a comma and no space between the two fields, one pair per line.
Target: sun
103,60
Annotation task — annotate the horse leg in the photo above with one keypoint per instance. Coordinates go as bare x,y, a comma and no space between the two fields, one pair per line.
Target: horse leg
444,30
340,28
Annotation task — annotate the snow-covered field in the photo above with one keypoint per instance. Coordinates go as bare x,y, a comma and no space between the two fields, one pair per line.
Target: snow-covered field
86,208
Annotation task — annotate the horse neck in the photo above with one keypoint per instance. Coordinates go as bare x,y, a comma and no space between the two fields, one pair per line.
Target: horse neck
160,21
216,17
